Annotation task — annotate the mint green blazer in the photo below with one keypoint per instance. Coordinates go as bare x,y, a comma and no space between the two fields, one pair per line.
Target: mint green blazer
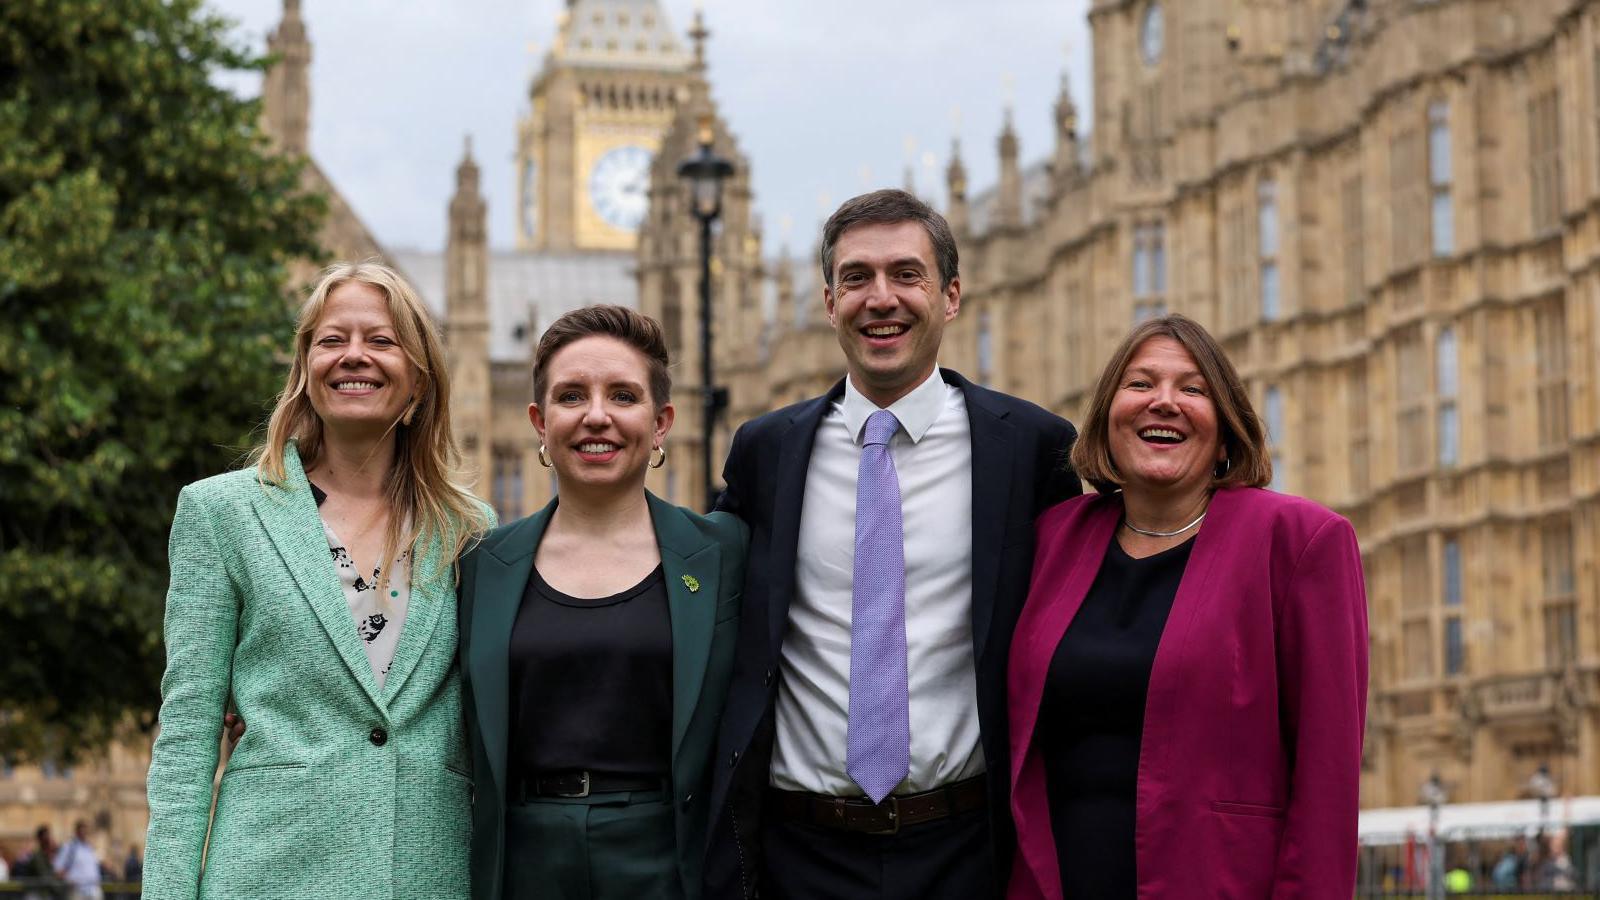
703,559
338,788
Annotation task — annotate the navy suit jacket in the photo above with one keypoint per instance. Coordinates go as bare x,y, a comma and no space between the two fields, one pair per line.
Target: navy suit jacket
1019,469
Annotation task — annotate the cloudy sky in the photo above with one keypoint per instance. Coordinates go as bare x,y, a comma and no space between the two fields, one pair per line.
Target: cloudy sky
827,97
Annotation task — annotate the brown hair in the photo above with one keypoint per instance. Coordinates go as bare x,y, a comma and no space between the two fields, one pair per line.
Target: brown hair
635,329
425,495
1238,426
891,207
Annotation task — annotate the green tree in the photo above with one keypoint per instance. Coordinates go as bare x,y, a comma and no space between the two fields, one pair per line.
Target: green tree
145,229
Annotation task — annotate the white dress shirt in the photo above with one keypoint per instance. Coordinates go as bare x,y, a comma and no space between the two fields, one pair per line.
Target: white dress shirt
932,454
79,867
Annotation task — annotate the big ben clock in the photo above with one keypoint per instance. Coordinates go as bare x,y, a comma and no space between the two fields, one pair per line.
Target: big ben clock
619,185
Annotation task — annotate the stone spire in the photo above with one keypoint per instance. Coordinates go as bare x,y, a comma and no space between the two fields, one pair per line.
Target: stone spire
783,277
1009,199
286,90
468,240
1066,166
699,88
467,318
955,177
697,35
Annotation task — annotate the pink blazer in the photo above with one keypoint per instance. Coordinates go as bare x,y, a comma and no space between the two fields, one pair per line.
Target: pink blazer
1251,750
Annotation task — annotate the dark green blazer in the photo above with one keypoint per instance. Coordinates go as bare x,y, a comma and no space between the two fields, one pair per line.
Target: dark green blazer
703,560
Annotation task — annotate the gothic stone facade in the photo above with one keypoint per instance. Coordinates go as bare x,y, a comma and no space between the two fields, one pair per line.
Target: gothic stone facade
1389,211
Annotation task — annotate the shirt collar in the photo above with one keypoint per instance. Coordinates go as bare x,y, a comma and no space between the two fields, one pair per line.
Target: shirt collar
916,411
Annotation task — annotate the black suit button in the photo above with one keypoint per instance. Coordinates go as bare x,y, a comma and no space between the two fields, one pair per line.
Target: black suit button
767,680
687,799
378,737
733,759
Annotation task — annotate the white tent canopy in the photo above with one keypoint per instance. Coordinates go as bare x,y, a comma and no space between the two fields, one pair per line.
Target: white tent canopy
1457,821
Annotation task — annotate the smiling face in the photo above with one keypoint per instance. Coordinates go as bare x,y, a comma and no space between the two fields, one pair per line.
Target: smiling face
597,419
1163,422
887,307
360,378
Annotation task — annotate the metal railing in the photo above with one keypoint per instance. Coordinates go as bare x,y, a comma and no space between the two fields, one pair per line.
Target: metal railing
56,889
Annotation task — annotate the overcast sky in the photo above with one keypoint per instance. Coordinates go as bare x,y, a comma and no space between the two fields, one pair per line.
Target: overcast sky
828,98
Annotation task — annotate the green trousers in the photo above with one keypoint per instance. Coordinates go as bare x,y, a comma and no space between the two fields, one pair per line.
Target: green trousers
613,846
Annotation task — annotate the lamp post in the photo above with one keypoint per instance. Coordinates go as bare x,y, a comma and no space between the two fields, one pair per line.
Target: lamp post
1433,794
705,172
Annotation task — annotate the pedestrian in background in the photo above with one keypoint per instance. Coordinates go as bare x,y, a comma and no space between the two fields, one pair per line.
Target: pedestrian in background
1188,681
316,589
38,862
77,864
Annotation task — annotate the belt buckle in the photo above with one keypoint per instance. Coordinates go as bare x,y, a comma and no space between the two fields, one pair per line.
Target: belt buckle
894,818
583,778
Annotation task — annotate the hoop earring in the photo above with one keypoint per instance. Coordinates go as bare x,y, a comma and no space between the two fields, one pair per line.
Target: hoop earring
658,463
544,458
1220,470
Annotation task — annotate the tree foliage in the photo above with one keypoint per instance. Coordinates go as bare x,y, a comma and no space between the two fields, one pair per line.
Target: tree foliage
145,229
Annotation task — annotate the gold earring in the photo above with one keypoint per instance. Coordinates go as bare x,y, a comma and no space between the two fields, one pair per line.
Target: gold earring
411,412
658,463
544,458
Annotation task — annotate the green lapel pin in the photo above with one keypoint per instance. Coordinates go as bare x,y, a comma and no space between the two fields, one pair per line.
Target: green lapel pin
692,583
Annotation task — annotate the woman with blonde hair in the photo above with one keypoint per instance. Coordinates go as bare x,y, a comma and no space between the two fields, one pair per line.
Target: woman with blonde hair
313,593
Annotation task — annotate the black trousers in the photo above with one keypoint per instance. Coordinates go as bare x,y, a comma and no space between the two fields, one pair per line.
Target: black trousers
947,859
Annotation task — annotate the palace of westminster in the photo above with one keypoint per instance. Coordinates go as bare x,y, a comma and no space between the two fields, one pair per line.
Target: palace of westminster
1388,211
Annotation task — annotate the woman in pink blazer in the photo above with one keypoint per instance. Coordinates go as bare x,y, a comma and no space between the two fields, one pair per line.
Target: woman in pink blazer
1188,680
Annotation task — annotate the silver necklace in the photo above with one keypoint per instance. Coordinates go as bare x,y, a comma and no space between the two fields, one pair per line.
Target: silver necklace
1137,530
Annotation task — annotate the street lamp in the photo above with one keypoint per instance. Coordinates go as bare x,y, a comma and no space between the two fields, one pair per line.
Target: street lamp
1433,794
705,172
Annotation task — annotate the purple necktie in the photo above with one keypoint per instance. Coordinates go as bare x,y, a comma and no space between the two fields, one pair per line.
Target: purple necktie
878,755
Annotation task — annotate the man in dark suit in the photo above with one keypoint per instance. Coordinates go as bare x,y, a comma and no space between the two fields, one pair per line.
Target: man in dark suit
863,746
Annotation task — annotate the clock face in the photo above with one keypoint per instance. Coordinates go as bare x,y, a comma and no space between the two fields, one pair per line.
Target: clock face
1151,34
619,185
530,199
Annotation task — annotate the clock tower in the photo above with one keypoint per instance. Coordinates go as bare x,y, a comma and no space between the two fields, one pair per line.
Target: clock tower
605,94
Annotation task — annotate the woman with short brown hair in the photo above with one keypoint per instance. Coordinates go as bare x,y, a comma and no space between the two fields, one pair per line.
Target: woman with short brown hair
597,640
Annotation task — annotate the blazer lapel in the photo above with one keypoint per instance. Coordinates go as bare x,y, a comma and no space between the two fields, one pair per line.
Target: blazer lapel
431,592
691,565
288,514
788,496
503,570
993,447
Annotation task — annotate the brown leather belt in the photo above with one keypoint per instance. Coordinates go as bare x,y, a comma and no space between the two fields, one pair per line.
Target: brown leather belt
895,812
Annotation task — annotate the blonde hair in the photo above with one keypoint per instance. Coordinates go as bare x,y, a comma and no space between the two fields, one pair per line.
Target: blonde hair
425,496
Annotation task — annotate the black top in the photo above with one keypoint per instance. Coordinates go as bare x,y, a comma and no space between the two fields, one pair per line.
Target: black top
591,681
1092,717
